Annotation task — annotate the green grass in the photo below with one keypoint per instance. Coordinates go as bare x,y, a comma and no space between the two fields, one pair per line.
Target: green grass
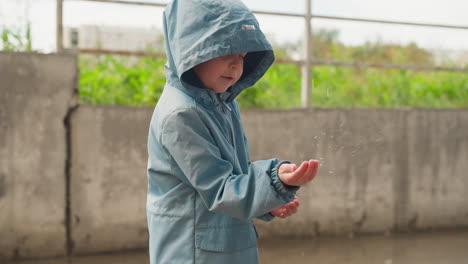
346,87
112,80
120,81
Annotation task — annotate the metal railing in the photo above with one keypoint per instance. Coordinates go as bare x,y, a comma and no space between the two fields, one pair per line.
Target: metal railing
307,61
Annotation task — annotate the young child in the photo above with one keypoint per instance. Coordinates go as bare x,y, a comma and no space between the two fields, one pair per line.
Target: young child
203,190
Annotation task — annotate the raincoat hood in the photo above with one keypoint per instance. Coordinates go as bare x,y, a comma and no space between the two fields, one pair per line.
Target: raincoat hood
197,31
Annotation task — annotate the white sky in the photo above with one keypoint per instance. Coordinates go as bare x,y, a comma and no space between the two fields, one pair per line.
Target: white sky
42,14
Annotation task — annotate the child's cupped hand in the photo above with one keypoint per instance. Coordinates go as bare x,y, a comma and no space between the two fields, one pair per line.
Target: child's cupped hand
290,174
287,209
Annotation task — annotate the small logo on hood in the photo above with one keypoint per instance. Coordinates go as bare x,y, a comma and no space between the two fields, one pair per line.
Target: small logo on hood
248,27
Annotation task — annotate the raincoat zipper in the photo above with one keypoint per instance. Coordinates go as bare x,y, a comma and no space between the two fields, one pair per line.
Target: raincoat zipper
223,106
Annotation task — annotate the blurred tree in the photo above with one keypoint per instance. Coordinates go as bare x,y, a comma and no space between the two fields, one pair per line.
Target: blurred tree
16,40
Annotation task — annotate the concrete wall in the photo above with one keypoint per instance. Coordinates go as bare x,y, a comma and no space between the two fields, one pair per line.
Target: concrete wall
35,95
80,187
108,178
381,170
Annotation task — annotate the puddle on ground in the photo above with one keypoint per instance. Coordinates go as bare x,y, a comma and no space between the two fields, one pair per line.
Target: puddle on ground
440,248
426,248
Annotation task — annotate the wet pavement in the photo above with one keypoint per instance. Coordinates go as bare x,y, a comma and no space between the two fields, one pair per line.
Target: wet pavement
450,247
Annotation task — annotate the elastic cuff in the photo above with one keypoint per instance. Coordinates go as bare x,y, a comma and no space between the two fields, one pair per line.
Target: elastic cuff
285,192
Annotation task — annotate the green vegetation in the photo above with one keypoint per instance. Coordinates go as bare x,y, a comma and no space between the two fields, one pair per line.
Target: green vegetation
106,79
326,46
16,40
116,80
346,87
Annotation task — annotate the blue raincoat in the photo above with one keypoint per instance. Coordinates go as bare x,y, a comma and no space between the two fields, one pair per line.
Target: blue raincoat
203,191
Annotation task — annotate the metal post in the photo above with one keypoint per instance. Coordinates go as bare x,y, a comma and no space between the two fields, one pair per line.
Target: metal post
306,67
59,33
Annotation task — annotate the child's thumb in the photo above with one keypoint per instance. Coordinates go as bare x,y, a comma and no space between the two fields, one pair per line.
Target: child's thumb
287,168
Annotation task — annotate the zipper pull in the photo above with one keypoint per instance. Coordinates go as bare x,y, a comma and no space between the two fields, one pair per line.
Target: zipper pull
227,106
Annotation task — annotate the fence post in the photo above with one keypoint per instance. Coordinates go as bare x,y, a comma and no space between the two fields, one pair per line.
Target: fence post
306,70
59,33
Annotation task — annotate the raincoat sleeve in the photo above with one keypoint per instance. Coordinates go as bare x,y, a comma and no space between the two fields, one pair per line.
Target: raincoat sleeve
268,216
245,196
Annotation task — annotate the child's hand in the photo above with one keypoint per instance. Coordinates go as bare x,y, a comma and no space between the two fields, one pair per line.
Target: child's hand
291,175
287,209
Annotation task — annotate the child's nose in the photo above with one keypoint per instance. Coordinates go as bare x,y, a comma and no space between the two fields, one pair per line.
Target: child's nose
237,61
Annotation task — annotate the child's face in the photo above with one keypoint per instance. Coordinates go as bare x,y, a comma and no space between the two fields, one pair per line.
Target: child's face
220,73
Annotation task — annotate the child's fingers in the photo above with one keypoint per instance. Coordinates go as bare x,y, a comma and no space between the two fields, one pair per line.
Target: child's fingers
301,169
286,174
314,165
293,166
287,168
308,173
286,210
280,212
289,212
298,176
314,172
293,204
296,201
294,210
